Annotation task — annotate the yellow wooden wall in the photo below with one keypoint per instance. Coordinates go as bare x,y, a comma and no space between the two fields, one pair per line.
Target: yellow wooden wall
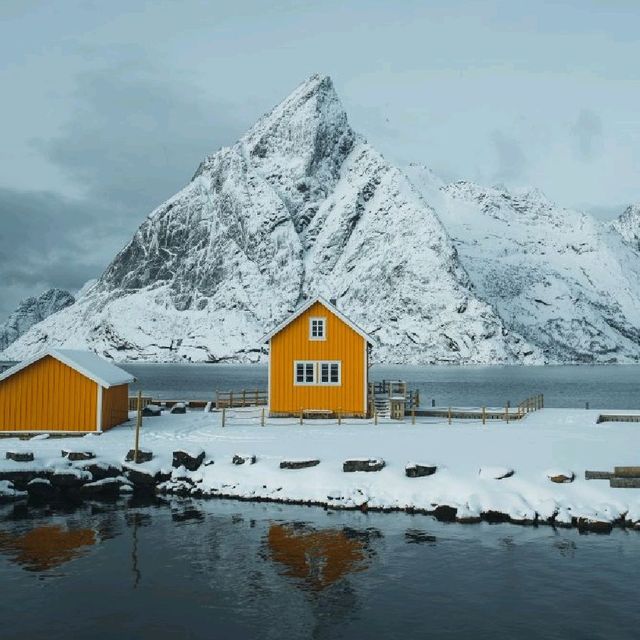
115,406
342,343
48,396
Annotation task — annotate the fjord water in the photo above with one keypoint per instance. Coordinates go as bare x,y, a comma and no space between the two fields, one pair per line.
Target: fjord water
218,569
602,386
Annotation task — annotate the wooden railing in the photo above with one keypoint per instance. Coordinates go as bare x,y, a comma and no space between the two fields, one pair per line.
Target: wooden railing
395,388
133,402
244,398
532,403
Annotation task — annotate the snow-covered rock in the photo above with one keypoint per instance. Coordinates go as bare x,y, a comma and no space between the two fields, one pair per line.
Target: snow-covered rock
300,205
563,280
30,312
628,225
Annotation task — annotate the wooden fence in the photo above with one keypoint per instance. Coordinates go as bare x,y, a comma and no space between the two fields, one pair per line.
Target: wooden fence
244,398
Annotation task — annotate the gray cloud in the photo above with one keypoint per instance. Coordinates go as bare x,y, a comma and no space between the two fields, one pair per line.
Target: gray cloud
511,158
134,139
587,134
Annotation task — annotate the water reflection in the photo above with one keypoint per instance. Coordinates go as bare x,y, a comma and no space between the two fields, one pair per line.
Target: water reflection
316,559
46,547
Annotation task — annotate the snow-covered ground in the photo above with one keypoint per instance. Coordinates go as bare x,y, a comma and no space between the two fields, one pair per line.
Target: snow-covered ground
468,455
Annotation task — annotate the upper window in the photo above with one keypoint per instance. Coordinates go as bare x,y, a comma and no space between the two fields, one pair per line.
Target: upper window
317,329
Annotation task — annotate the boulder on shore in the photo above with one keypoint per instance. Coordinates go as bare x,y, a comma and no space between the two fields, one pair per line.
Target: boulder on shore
19,456
74,456
143,456
242,459
415,470
363,464
190,460
299,464
152,411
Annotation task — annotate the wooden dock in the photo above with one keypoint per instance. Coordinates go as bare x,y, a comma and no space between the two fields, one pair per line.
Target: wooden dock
609,417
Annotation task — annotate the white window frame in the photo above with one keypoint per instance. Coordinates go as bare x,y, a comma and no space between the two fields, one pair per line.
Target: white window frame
329,383
313,364
323,320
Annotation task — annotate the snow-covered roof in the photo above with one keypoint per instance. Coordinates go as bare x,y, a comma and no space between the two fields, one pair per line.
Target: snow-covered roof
307,305
85,362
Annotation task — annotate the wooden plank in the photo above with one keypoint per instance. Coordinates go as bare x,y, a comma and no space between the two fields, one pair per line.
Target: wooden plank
598,475
626,472
625,483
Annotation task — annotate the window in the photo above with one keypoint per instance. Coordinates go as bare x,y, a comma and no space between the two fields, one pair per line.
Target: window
304,372
330,373
324,373
317,329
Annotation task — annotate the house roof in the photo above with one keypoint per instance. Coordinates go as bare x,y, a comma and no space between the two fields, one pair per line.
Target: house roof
85,362
307,305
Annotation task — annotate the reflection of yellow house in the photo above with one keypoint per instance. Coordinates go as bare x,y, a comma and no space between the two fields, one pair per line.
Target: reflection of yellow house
318,361
64,390
46,547
319,558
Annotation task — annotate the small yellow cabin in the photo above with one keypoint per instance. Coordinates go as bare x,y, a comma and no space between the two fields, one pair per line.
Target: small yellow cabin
64,390
318,363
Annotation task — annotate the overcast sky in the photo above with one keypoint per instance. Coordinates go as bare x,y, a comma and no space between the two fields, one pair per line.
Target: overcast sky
108,107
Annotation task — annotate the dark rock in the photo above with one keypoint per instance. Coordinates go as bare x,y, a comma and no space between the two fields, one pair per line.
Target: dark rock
240,459
143,456
370,464
19,456
107,487
179,407
100,471
78,455
445,513
419,470
495,516
187,460
141,478
152,411
20,479
41,488
69,479
598,475
299,464
594,526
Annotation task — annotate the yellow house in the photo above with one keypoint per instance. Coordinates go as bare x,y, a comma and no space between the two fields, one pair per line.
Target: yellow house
318,362
64,390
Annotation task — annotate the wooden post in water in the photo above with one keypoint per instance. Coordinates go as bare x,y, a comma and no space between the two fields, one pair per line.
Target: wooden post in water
217,399
244,398
230,399
262,417
484,415
224,415
138,425
449,415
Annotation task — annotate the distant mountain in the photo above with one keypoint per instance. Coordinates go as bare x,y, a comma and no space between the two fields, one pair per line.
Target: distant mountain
30,312
300,205
563,280
628,225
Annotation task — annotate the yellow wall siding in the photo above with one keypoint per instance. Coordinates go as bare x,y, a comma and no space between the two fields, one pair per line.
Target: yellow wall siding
342,343
115,406
48,396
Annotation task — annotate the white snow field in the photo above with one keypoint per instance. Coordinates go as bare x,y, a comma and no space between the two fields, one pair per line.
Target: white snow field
468,455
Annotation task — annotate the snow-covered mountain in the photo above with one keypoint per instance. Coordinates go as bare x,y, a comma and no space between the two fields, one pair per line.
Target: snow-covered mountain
628,225
562,279
30,312
300,205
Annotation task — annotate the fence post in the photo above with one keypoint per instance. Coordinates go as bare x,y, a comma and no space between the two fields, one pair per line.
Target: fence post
138,424
339,417
301,410
375,415
542,400
484,415
217,399
262,417
413,416
506,413
449,415
224,415
230,399
256,397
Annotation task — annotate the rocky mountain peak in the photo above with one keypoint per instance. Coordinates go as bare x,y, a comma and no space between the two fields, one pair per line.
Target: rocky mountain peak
628,225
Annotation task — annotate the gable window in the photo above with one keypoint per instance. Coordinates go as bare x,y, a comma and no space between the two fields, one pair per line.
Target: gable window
330,373
304,372
317,329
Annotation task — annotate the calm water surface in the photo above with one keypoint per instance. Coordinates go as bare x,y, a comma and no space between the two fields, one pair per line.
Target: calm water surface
604,387
217,569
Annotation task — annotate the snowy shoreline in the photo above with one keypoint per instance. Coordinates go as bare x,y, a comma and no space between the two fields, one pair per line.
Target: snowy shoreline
472,479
